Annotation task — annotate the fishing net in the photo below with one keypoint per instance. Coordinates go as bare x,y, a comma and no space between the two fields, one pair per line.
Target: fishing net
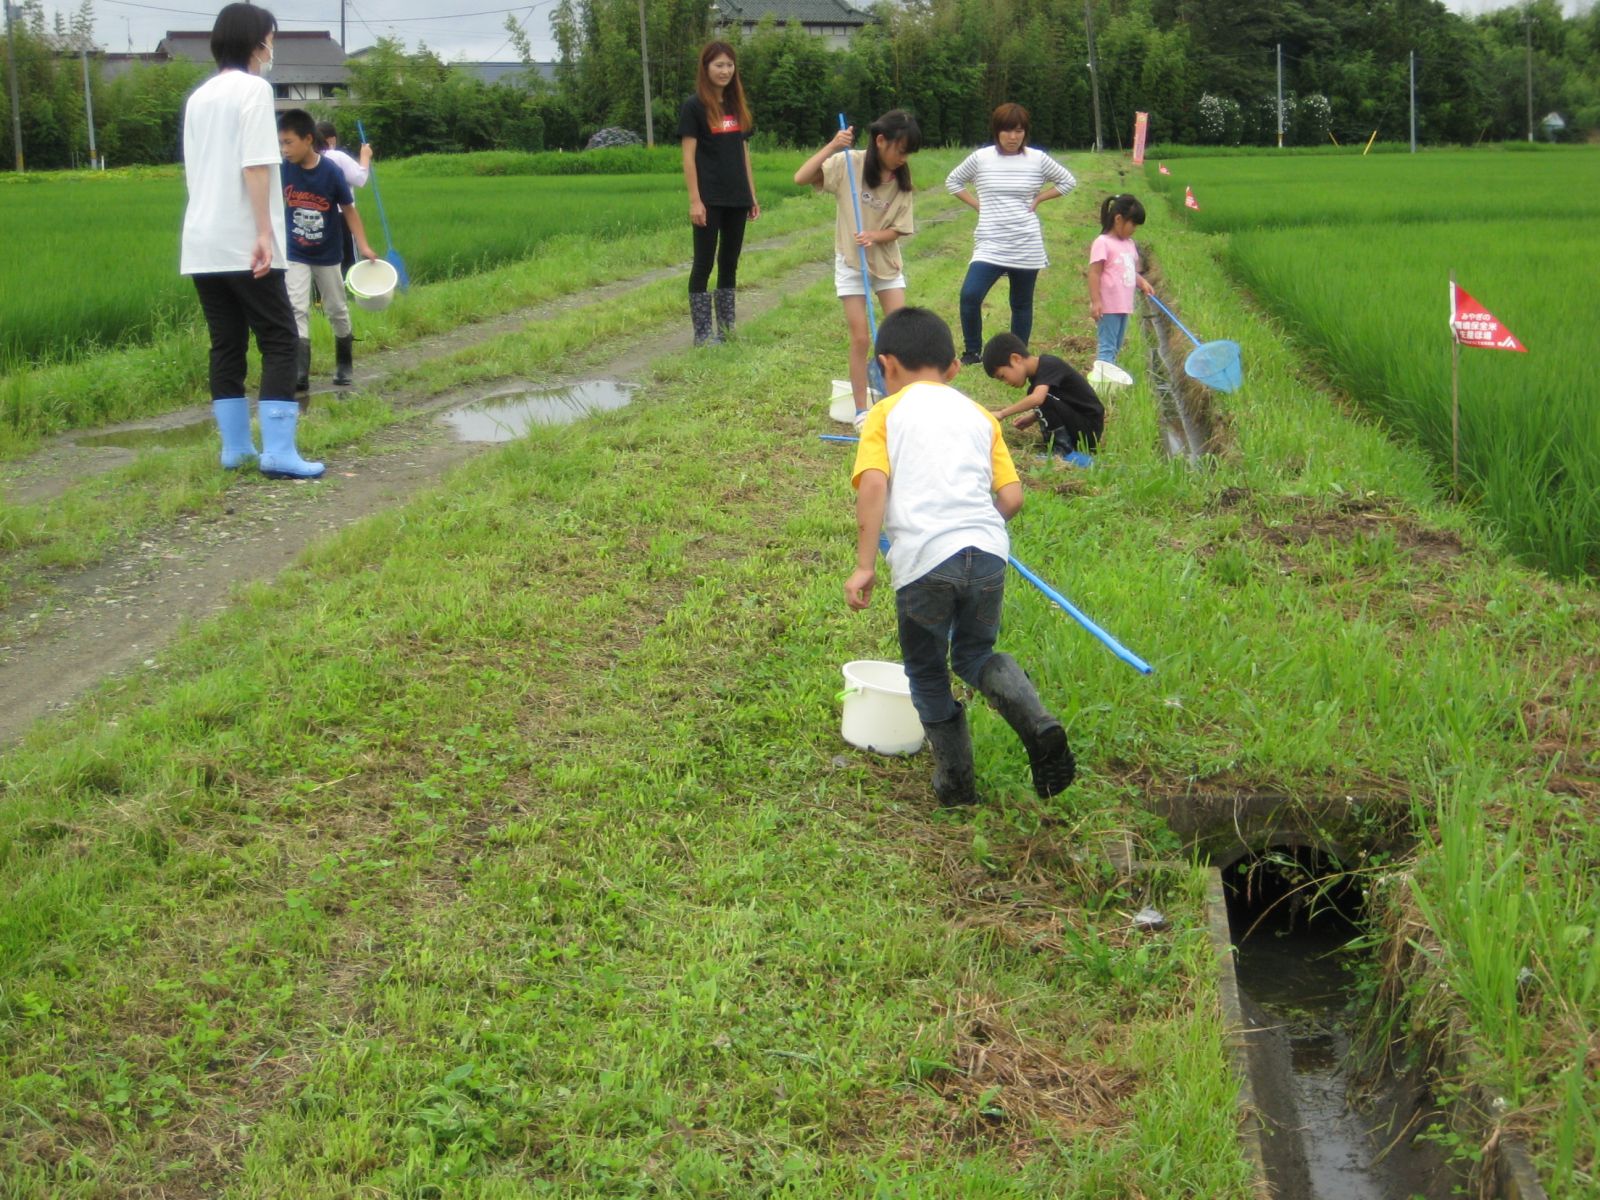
1217,365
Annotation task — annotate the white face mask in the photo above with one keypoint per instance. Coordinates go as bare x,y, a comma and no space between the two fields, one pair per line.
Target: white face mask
266,65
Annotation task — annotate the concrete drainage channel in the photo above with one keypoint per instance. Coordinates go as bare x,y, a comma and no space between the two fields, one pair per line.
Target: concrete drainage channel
1282,908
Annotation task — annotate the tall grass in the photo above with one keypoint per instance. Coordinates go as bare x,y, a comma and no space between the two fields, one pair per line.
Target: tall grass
1507,884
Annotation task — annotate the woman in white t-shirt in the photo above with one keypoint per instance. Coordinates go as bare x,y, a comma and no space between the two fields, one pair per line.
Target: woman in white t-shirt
234,243
1011,181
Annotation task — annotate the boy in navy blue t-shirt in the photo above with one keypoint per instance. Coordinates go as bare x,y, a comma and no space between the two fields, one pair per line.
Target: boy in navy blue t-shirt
317,206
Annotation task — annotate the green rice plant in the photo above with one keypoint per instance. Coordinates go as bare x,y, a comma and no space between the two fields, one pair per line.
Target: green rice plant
1372,301
1554,189
73,284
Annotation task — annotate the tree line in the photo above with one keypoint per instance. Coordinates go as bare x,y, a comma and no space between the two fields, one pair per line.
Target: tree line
1205,70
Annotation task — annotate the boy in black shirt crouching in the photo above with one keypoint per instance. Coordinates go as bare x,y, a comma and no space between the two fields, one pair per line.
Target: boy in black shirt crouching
1059,400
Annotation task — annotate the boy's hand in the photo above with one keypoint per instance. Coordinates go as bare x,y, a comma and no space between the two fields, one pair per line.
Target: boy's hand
1144,286
367,252
1026,420
1095,310
858,588
872,237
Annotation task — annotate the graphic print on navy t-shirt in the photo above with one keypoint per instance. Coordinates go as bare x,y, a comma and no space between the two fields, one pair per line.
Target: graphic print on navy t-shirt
311,200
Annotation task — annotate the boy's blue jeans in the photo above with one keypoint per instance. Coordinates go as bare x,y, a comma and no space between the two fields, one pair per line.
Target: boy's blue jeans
982,276
1113,327
952,613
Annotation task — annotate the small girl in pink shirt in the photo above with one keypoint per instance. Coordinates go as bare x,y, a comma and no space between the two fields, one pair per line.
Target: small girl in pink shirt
1114,273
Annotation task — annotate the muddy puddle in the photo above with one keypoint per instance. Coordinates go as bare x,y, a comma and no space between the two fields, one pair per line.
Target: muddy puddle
193,434
508,416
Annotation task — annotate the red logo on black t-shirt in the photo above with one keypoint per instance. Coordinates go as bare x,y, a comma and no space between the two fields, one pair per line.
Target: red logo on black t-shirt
729,124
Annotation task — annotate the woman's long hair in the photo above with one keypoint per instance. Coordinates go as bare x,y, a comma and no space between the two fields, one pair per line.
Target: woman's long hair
732,101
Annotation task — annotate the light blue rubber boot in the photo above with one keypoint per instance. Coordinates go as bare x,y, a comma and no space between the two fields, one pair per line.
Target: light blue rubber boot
279,458
233,419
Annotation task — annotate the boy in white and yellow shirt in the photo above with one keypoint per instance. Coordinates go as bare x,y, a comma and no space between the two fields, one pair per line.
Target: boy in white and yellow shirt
933,473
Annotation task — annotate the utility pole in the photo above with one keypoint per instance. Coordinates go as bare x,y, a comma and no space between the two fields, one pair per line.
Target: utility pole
1413,101
16,104
88,104
344,47
1280,95
1094,72
1527,24
644,57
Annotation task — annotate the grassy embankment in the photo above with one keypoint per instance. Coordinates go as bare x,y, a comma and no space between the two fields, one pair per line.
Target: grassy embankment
505,850
1490,933
504,841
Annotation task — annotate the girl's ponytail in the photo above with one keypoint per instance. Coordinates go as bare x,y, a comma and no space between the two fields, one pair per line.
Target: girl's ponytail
896,125
1121,205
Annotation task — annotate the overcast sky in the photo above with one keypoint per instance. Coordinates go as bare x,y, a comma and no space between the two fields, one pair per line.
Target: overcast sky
476,32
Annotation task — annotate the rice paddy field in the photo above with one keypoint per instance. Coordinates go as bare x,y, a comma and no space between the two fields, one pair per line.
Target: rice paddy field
1353,256
114,282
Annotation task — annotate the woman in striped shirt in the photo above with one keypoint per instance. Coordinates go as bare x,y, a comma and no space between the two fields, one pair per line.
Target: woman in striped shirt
1011,181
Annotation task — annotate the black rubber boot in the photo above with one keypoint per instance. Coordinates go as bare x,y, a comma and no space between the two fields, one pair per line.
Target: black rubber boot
951,744
302,366
344,350
1008,688
700,314
725,311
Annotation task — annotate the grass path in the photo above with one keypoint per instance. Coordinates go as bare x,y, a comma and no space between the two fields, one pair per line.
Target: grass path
505,846
504,849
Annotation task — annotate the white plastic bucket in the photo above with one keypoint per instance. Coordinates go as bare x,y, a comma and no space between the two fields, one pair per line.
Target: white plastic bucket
1105,373
371,283
842,404
878,715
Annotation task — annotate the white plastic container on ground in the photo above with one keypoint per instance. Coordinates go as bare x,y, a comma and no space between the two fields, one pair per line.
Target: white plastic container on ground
878,715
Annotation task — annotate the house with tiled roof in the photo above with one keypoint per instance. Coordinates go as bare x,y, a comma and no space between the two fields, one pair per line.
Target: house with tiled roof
307,65
833,20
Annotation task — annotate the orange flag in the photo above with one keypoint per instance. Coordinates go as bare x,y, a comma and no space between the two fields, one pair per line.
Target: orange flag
1474,325
1189,201
1162,167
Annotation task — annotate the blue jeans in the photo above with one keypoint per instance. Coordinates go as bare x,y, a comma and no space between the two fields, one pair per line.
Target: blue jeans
952,612
982,276
1113,327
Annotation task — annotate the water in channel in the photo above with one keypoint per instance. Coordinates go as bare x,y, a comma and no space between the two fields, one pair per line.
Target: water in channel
1297,993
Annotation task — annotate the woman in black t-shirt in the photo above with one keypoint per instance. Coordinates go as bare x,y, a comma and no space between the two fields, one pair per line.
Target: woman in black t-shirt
714,124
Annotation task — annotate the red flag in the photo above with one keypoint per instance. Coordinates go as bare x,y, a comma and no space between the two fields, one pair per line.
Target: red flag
1162,167
1474,325
1189,201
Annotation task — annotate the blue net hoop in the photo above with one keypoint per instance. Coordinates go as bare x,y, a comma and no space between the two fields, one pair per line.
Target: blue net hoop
1217,365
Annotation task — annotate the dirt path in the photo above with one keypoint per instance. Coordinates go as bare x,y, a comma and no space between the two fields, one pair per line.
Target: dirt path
119,614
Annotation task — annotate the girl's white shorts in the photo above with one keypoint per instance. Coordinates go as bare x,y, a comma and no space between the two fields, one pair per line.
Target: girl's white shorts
847,278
